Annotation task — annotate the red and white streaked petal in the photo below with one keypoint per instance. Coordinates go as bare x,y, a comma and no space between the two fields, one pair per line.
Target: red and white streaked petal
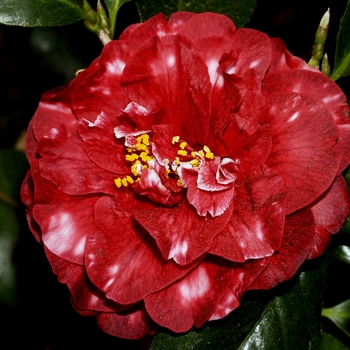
251,55
64,229
130,324
85,295
299,230
330,212
282,59
242,275
306,82
217,174
206,202
66,164
150,185
123,260
102,91
304,137
191,300
256,226
175,78
101,145
180,234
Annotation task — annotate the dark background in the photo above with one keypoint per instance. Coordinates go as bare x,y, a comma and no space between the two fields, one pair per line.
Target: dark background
34,60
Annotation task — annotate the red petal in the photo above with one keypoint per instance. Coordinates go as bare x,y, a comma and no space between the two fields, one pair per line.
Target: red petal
64,228
256,225
101,145
205,25
330,212
66,164
191,300
309,83
281,58
130,324
123,260
175,78
102,91
242,275
206,202
252,59
303,146
299,231
84,294
180,233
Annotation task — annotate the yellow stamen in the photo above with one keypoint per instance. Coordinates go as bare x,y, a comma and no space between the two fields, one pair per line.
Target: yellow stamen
118,182
175,139
129,179
183,145
201,153
193,154
177,160
182,152
179,183
124,182
141,147
131,157
144,138
209,155
145,157
194,163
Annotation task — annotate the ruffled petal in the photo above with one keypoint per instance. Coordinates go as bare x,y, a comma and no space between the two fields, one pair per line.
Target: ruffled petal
123,260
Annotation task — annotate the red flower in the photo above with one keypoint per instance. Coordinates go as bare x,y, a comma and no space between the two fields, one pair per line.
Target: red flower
189,163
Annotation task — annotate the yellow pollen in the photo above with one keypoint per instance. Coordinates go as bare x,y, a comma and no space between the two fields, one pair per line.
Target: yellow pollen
193,154
118,182
194,163
129,179
145,157
177,160
201,153
179,183
124,182
182,152
131,157
206,149
141,147
183,145
144,138
175,139
134,168
209,155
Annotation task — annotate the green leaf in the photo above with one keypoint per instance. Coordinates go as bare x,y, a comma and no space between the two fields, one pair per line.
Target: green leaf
328,342
342,252
13,165
340,315
285,318
33,13
239,10
113,7
342,51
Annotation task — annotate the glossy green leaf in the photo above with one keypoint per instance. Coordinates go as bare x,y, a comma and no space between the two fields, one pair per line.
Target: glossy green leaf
328,342
342,52
33,13
286,318
13,165
238,10
340,315
342,253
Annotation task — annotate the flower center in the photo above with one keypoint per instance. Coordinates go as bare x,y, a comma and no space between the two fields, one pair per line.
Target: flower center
141,157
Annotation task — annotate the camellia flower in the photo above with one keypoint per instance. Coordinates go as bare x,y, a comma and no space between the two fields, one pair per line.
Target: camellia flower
189,163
